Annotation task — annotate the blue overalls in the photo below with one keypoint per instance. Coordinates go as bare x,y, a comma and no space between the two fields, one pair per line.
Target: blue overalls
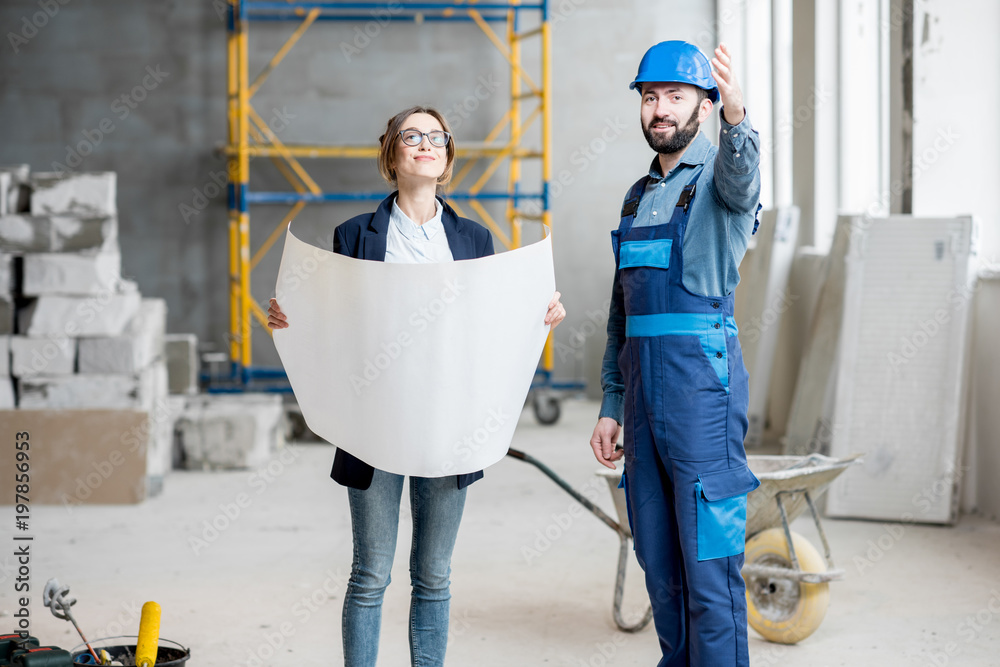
686,475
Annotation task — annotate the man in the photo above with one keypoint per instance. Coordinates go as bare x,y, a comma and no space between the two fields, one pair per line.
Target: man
673,372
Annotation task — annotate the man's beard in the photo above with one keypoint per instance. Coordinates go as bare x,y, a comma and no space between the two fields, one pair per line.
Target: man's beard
677,142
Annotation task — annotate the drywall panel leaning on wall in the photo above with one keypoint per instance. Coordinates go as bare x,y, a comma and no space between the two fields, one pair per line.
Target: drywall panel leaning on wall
903,368
762,300
811,413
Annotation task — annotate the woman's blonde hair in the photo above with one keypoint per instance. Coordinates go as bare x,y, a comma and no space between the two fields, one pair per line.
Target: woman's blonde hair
389,146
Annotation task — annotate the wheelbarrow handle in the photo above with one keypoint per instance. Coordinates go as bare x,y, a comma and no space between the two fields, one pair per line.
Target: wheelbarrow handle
551,474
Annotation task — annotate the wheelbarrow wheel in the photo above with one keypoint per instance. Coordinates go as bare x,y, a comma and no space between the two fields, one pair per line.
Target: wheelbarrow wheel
784,611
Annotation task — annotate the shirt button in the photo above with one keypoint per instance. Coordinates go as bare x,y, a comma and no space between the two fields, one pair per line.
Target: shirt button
716,325
662,184
725,131
654,212
737,155
718,355
715,304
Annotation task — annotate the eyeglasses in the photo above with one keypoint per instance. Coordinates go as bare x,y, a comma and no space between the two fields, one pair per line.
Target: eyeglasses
438,138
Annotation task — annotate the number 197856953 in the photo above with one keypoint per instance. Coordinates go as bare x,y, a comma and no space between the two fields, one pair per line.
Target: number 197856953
21,476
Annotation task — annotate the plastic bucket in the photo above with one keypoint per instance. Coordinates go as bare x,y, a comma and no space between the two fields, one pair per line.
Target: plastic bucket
168,653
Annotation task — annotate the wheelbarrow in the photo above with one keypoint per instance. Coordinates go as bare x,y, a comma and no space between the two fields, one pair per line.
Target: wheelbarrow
787,580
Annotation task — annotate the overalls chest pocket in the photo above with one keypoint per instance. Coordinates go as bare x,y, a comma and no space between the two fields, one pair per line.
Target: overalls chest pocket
643,266
654,254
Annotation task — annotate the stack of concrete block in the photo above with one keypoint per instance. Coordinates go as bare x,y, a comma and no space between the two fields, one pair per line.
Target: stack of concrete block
76,336
231,431
83,337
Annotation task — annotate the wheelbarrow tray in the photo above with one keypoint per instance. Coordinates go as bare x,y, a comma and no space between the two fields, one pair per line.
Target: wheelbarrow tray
777,474
790,476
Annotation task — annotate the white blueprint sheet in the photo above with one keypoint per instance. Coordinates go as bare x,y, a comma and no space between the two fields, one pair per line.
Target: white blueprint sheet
416,369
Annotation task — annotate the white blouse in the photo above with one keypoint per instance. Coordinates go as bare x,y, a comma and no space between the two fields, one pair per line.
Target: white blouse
410,243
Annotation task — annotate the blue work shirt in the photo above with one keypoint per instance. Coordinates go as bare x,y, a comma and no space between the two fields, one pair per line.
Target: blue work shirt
721,219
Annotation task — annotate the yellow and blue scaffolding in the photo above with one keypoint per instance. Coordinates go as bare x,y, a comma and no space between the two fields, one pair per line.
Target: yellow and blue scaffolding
250,136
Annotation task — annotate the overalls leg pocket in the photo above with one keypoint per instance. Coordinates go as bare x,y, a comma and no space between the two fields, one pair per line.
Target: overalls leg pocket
721,499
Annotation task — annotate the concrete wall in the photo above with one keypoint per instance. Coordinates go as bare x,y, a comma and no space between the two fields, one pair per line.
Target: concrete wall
64,77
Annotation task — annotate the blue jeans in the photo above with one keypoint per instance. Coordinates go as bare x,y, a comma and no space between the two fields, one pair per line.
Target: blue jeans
436,505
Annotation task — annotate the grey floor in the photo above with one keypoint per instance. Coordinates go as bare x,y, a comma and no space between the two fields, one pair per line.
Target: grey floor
532,576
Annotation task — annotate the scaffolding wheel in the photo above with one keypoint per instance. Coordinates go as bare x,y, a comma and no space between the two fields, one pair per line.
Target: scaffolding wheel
546,407
784,610
296,428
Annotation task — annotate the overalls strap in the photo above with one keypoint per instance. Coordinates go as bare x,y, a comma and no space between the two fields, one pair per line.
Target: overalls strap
631,205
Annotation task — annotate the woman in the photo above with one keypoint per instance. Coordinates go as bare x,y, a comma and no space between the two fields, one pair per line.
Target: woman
412,225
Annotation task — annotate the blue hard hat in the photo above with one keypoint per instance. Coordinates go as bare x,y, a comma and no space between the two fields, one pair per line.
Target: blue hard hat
677,61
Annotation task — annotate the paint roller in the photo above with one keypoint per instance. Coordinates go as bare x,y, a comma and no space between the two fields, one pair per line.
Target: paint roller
149,635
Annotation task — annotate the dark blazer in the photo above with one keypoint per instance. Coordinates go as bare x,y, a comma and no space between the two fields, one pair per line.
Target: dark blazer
363,237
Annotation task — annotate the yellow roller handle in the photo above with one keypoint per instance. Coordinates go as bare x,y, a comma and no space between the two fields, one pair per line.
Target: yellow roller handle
149,635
